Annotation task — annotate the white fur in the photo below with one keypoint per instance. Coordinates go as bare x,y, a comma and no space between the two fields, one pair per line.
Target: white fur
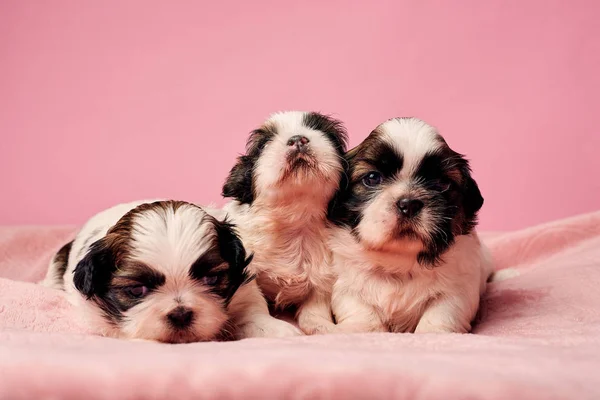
380,285
412,298
413,134
286,225
169,242
248,307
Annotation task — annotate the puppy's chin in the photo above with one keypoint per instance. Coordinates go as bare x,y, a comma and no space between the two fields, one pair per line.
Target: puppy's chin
402,241
300,166
422,238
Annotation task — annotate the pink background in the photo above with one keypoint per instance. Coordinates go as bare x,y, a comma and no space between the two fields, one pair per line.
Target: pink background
103,102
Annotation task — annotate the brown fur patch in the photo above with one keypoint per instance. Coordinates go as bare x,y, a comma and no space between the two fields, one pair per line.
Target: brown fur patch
60,262
118,237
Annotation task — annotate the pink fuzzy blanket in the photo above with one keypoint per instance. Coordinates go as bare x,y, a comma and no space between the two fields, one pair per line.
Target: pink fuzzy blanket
538,337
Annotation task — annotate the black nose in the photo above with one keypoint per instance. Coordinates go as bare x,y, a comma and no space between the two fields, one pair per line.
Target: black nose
298,141
410,207
180,317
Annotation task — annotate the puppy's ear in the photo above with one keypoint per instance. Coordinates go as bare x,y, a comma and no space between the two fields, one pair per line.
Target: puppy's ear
93,273
350,154
473,200
233,252
239,184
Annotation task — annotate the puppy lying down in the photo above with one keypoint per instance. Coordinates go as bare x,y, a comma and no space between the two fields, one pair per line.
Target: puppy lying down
163,270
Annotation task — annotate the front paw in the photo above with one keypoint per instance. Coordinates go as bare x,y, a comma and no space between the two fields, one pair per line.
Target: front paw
320,327
427,327
268,327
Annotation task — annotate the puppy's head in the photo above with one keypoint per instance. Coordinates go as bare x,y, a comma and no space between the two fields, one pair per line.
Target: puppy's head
291,152
408,191
166,271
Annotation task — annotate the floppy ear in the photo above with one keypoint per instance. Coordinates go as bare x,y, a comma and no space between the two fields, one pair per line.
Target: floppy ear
233,252
239,184
473,200
92,274
471,196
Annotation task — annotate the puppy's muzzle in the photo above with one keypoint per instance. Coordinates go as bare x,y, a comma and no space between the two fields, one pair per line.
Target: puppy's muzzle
180,317
409,207
298,142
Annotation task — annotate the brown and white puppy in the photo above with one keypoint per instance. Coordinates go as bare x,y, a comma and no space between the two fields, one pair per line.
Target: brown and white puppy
160,270
406,252
281,189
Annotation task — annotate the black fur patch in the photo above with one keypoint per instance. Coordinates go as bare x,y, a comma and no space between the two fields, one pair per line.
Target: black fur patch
332,128
239,184
117,299
97,277
371,155
384,159
452,195
228,251
93,273
92,277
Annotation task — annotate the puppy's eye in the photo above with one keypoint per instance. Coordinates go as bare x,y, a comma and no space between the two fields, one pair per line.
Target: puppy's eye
372,179
137,291
210,280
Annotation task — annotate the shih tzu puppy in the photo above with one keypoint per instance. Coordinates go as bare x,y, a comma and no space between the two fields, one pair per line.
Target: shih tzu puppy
166,271
405,250
281,189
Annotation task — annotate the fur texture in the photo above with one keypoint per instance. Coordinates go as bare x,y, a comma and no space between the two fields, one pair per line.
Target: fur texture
159,270
281,188
405,252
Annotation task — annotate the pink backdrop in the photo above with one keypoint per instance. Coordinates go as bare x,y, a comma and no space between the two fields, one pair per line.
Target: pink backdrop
102,102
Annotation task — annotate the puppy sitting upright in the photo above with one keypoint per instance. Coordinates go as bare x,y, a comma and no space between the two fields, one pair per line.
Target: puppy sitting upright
164,271
282,187
405,251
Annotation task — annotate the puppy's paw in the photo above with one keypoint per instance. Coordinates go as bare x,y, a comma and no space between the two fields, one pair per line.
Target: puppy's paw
427,327
503,274
320,327
268,327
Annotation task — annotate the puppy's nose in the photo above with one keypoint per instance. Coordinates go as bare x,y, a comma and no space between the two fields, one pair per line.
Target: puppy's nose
298,141
409,207
180,317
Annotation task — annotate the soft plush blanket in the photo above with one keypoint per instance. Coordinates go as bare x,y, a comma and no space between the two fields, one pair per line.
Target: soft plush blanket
538,337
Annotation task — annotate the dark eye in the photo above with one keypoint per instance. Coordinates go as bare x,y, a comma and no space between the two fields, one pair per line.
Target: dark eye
210,280
137,291
372,179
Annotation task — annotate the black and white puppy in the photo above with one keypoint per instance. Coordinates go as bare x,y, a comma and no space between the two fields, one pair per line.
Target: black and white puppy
406,253
281,189
160,270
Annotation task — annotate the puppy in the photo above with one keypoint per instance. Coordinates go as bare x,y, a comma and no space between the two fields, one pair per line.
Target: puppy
281,189
165,271
405,251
